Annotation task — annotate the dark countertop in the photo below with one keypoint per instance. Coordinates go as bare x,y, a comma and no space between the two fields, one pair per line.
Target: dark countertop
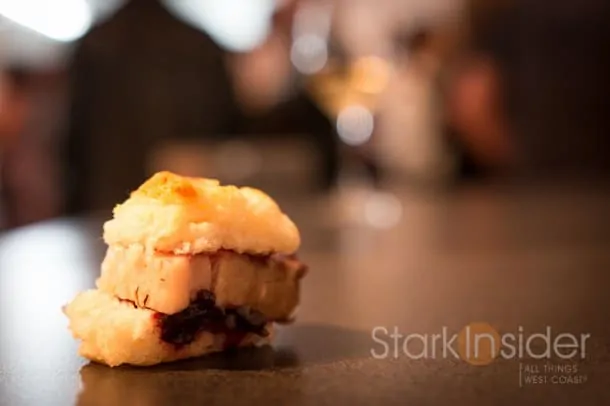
533,260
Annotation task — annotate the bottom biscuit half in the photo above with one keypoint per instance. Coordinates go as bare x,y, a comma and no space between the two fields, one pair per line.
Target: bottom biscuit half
116,332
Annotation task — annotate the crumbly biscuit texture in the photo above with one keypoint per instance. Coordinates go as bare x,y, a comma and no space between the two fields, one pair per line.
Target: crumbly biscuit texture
184,215
113,332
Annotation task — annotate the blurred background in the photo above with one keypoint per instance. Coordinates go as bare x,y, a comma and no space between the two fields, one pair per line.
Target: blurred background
346,100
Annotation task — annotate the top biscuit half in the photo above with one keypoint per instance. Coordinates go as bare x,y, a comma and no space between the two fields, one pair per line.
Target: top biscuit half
183,215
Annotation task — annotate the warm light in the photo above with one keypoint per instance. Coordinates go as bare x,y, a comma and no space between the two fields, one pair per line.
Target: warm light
355,125
371,74
61,20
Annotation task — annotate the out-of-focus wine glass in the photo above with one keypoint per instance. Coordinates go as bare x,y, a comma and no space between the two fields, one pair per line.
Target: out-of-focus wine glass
347,89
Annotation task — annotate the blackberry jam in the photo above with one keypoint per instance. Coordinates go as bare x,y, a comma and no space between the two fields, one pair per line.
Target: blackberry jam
202,315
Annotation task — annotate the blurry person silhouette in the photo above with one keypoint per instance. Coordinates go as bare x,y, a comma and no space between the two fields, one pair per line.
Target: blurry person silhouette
410,139
13,113
531,93
140,78
477,126
29,116
13,105
276,100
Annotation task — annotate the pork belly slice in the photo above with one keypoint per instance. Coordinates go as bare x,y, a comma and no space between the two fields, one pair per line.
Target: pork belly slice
168,283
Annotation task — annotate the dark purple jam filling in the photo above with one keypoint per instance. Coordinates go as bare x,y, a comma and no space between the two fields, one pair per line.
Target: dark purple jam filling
202,315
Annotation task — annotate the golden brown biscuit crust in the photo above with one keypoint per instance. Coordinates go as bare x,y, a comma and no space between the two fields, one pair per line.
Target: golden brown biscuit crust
177,214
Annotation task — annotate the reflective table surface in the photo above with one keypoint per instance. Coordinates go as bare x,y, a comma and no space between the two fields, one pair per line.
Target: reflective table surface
388,274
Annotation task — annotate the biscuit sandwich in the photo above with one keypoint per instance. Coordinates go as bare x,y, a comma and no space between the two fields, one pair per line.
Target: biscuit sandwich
192,267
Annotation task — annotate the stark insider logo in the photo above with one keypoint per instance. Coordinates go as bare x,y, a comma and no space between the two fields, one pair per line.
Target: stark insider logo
478,344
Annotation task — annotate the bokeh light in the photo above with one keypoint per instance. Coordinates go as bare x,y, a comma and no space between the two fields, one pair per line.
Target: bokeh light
355,125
